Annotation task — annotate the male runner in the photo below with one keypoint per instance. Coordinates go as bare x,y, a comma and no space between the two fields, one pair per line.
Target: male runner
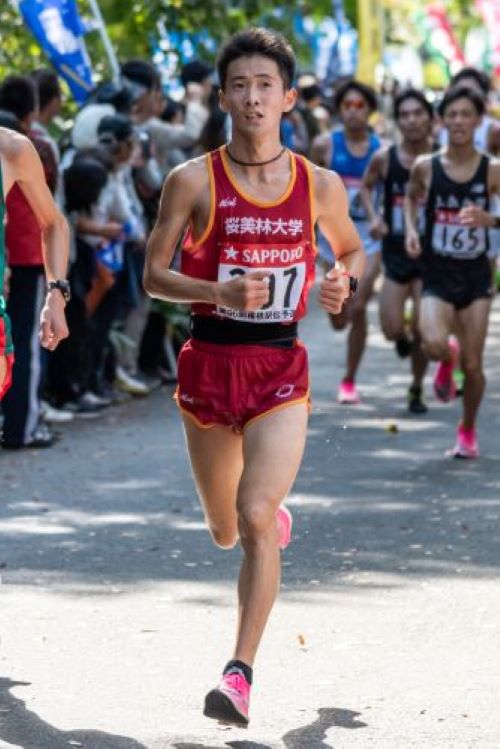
247,266
19,163
347,152
487,132
458,184
390,167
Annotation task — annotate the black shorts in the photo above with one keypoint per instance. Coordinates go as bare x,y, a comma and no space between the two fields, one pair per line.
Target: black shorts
458,282
400,268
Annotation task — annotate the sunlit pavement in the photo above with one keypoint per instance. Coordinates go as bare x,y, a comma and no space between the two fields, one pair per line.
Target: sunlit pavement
117,612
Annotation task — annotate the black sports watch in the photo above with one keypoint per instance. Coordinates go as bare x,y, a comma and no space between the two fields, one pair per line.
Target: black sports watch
63,287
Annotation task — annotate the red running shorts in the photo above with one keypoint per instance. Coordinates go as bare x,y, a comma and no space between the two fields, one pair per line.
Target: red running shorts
233,385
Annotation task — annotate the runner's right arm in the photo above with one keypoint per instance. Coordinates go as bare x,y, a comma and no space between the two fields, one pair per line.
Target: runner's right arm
182,201
416,191
375,173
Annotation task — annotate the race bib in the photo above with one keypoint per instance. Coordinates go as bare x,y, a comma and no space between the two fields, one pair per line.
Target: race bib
287,269
356,208
451,239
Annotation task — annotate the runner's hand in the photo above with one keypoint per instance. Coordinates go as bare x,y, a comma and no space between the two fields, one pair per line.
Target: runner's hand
334,291
378,228
413,246
53,326
475,217
246,292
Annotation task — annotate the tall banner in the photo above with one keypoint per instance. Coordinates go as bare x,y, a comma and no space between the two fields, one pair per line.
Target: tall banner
59,30
371,41
490,12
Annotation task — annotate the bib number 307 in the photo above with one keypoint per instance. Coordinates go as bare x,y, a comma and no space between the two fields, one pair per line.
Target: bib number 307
285,289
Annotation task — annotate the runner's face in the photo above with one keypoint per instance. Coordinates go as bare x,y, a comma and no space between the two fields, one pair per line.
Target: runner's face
354,111
414,121
461,119
255,95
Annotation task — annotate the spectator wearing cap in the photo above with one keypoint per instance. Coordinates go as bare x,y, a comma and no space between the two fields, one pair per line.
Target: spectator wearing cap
145,81
117,136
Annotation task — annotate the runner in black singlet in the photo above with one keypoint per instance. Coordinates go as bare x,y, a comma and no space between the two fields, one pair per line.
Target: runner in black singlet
458,184
390,167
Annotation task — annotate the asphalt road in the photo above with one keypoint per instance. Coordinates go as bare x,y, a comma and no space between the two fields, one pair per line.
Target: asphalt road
117,612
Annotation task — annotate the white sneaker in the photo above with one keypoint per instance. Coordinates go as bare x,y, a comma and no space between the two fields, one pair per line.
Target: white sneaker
55,415
129,384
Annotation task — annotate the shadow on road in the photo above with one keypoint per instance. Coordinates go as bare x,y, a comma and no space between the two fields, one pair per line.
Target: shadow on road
22,727
313,735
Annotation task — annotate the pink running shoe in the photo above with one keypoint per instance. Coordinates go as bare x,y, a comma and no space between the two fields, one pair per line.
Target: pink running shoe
230,701
444,383
285,521
348,393
466,445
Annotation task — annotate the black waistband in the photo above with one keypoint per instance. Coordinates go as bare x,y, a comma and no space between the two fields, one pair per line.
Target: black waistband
217,330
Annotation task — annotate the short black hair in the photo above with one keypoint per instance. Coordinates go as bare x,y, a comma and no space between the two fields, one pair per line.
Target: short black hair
308,93
18,95
114,128
416,95
461,92
361,88
83,182
482,80
47,84
195,71
258,41
142,73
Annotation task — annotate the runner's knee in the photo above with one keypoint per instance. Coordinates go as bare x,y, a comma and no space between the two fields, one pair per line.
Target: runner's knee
256,519
435,348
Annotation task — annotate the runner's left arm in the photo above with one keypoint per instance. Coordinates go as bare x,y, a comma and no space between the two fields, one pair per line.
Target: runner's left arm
332,214
31,179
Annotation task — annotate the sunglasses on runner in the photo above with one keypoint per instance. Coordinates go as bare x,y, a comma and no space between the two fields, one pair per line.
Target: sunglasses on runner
353,104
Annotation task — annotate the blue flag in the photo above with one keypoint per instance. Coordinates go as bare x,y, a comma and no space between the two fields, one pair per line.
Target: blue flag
59,30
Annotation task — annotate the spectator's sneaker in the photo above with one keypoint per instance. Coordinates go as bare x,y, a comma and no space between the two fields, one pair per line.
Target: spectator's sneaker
230,701
444,384
55,415
415,403
41,437
348,393
285,522
82,407
466,445
129,384
95,399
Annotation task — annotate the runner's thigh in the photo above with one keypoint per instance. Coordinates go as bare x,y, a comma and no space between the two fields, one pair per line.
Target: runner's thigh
392,307
436,320
273,447
217,461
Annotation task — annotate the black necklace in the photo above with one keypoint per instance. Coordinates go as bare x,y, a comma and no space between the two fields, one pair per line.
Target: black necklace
255,163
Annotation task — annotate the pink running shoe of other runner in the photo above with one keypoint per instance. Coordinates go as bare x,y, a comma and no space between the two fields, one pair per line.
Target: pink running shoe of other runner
285,521
348,393
229,703
444,383
466,445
